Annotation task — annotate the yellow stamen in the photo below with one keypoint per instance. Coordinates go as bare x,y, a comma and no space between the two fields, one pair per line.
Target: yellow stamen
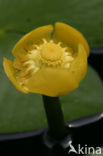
51,51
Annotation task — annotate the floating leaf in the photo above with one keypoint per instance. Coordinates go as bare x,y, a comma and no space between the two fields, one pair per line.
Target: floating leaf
20,112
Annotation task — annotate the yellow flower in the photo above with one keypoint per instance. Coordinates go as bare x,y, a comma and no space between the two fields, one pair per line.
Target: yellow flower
49,60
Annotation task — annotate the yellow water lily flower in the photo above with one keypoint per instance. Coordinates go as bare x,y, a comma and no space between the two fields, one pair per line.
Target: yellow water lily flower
49,60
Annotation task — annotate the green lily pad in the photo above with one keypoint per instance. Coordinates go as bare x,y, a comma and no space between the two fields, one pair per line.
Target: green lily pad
20,112
86,100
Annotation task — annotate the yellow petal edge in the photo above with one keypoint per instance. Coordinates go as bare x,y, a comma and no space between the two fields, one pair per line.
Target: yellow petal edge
34,36
10,73
70,36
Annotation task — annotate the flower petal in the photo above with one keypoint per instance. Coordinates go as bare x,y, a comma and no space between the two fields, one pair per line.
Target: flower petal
10,71
52,82
29,39
70,36
79,65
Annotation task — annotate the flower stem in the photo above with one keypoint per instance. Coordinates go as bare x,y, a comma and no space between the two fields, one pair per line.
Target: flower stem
57,128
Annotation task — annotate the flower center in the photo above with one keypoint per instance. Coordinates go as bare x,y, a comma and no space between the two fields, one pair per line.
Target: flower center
51,51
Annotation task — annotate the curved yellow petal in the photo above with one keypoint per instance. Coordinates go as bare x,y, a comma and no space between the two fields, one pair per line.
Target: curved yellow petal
52,82
70,36
79,65
29,39
10,71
